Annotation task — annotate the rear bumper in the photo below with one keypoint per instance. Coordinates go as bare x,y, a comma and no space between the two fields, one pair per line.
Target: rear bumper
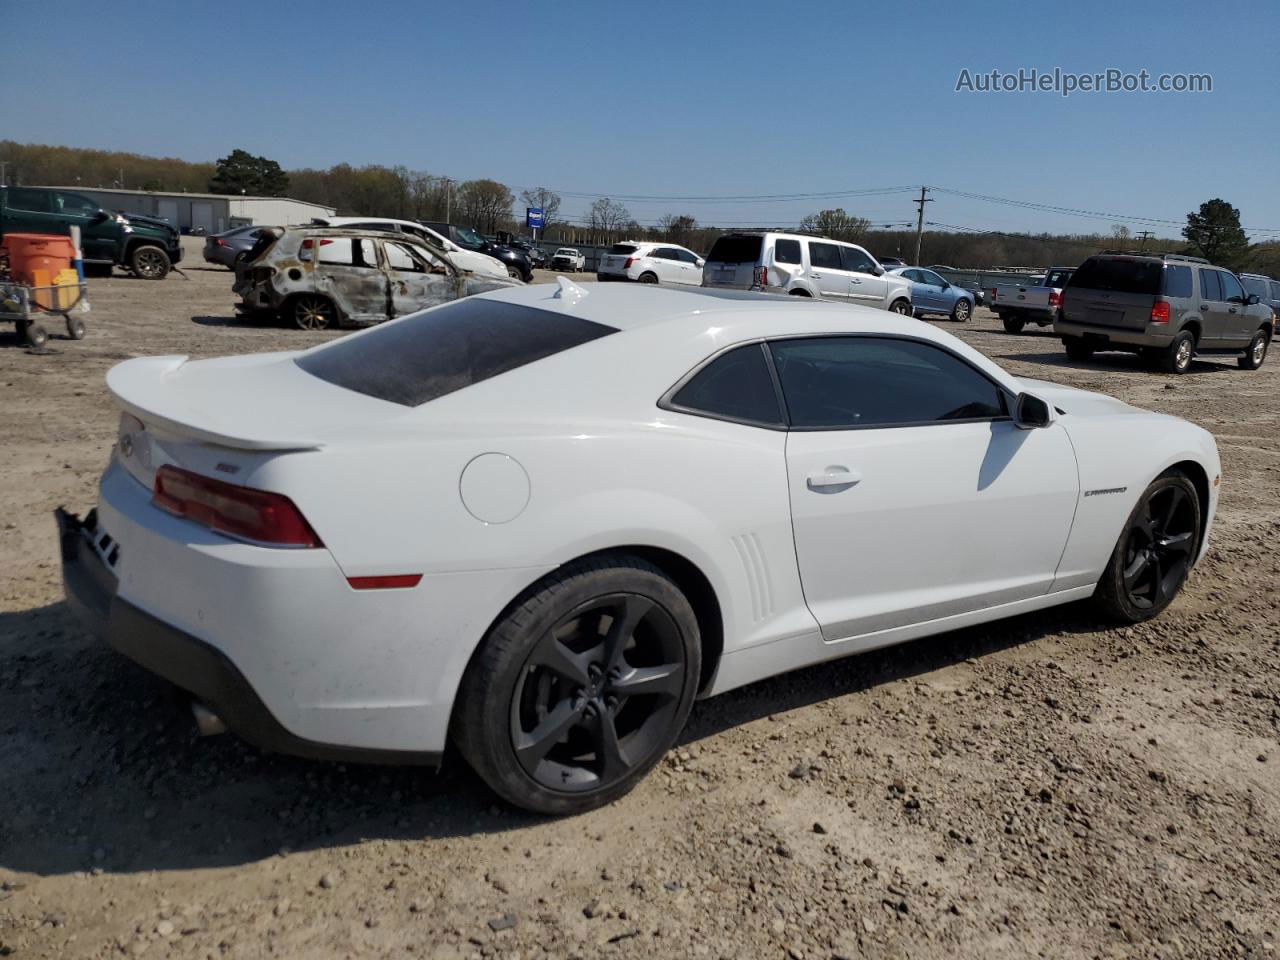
208,674
1104,336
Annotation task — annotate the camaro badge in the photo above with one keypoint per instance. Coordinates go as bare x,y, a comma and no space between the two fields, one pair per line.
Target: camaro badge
1102,493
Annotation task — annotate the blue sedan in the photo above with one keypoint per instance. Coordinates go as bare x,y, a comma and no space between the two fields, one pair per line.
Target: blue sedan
931,294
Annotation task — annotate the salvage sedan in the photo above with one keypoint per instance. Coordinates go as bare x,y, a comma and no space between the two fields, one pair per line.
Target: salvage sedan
317,277
540,522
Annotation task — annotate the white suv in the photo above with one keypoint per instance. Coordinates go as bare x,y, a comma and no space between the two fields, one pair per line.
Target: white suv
480,264
651,263
805,267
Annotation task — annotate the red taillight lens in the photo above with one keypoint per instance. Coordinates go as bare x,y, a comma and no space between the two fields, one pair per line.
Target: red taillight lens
1160,312
1055,298
630,261
268,518
219,242
764,276
399,581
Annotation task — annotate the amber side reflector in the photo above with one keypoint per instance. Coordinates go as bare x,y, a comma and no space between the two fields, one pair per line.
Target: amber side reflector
398,581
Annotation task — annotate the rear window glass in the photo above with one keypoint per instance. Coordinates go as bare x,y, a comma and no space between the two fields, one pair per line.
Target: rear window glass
431,354
735,385
1119,276
786,251
623,248
1255,286
1177,281
1057,278
736,250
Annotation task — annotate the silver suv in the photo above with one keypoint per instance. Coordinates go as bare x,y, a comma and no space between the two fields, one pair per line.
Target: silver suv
1169,308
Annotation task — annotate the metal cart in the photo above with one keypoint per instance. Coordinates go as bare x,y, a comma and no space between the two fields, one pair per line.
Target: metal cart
25,307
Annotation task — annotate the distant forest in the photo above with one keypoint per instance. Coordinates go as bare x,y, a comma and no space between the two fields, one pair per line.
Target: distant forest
490,206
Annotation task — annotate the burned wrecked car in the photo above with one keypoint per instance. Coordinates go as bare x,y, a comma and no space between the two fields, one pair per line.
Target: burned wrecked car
318,277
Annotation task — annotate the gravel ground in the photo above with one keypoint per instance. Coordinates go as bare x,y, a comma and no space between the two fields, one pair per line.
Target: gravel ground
1045,786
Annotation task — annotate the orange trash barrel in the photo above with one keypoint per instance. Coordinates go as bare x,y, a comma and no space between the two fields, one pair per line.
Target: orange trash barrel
30,252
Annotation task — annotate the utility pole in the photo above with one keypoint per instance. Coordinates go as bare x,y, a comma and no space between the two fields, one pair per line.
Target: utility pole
920,220
1144,236
3,164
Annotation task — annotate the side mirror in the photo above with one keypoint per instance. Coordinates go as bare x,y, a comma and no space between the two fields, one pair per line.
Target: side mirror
878,271
1253,298
700,262
100,216
1030,412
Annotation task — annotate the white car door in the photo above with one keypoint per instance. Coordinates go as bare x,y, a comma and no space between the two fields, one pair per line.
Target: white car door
914,496
690,267
864,286
826,270
666,264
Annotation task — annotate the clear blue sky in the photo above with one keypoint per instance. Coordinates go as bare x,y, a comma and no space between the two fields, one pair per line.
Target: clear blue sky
681,99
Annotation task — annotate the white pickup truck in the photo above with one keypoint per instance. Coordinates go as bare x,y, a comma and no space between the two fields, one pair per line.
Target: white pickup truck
1037,303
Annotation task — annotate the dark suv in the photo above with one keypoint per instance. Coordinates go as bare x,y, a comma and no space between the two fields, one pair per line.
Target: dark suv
1168,308
517,261
146,246
1267,289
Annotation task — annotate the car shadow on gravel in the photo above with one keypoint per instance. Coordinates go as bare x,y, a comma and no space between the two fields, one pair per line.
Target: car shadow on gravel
102,770
1114,362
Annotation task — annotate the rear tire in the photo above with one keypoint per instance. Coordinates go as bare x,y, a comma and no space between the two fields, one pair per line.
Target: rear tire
1256,355
549,713
901,307
962,311
1154,554
311,312
149,262
798,293
1014,325
1177,357
1077,349
648,277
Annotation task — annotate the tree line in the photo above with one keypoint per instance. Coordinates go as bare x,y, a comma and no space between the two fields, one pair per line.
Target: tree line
375,190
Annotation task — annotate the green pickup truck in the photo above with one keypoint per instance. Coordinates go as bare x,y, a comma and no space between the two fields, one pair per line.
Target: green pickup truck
148,248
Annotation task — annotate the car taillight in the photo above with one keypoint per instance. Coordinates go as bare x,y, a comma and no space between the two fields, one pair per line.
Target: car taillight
1160,312
760,276
257,515
630,261
219,242
1055,298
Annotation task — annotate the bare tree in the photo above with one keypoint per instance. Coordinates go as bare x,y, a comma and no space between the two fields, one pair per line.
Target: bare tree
836,224
679,228
606,218
548,201
485,205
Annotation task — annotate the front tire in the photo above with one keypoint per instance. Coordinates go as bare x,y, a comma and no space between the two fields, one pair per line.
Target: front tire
149,263
1155,551
581,686
1257,353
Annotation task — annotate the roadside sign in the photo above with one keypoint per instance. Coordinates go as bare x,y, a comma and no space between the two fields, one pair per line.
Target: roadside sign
533,218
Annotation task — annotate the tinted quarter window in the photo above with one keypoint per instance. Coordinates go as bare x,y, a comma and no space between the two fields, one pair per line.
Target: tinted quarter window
1210,288
858,261
1118,275
735,385
621,248
834,383
1177,281
736,249
1057,278
36,201
824,255
1231,289
437,352
786,251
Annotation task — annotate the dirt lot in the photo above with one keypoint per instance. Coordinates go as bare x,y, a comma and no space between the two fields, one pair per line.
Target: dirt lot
1040,787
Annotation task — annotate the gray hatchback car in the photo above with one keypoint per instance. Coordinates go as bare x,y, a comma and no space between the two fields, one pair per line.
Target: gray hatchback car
1168,308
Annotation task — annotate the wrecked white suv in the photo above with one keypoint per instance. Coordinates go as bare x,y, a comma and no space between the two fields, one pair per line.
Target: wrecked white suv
317,277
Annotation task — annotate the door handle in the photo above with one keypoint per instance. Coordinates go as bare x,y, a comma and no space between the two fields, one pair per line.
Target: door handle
854,280
816,276
832,479
1204,306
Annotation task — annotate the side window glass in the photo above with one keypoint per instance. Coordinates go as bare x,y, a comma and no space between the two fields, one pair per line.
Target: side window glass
1210,288
341,251
824,255
857,261
736,386
786,251
1275,290
1231,289
36,201
403,260
841,383
1177,281
74,204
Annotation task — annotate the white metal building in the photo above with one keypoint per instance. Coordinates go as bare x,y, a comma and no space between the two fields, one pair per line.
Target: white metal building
214,212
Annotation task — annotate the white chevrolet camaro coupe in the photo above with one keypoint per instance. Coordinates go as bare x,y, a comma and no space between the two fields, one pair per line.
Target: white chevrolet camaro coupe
538,523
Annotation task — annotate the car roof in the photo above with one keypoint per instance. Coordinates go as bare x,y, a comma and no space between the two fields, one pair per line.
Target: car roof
343,221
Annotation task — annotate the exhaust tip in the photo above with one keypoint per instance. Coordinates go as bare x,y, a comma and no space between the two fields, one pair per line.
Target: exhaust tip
208,723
